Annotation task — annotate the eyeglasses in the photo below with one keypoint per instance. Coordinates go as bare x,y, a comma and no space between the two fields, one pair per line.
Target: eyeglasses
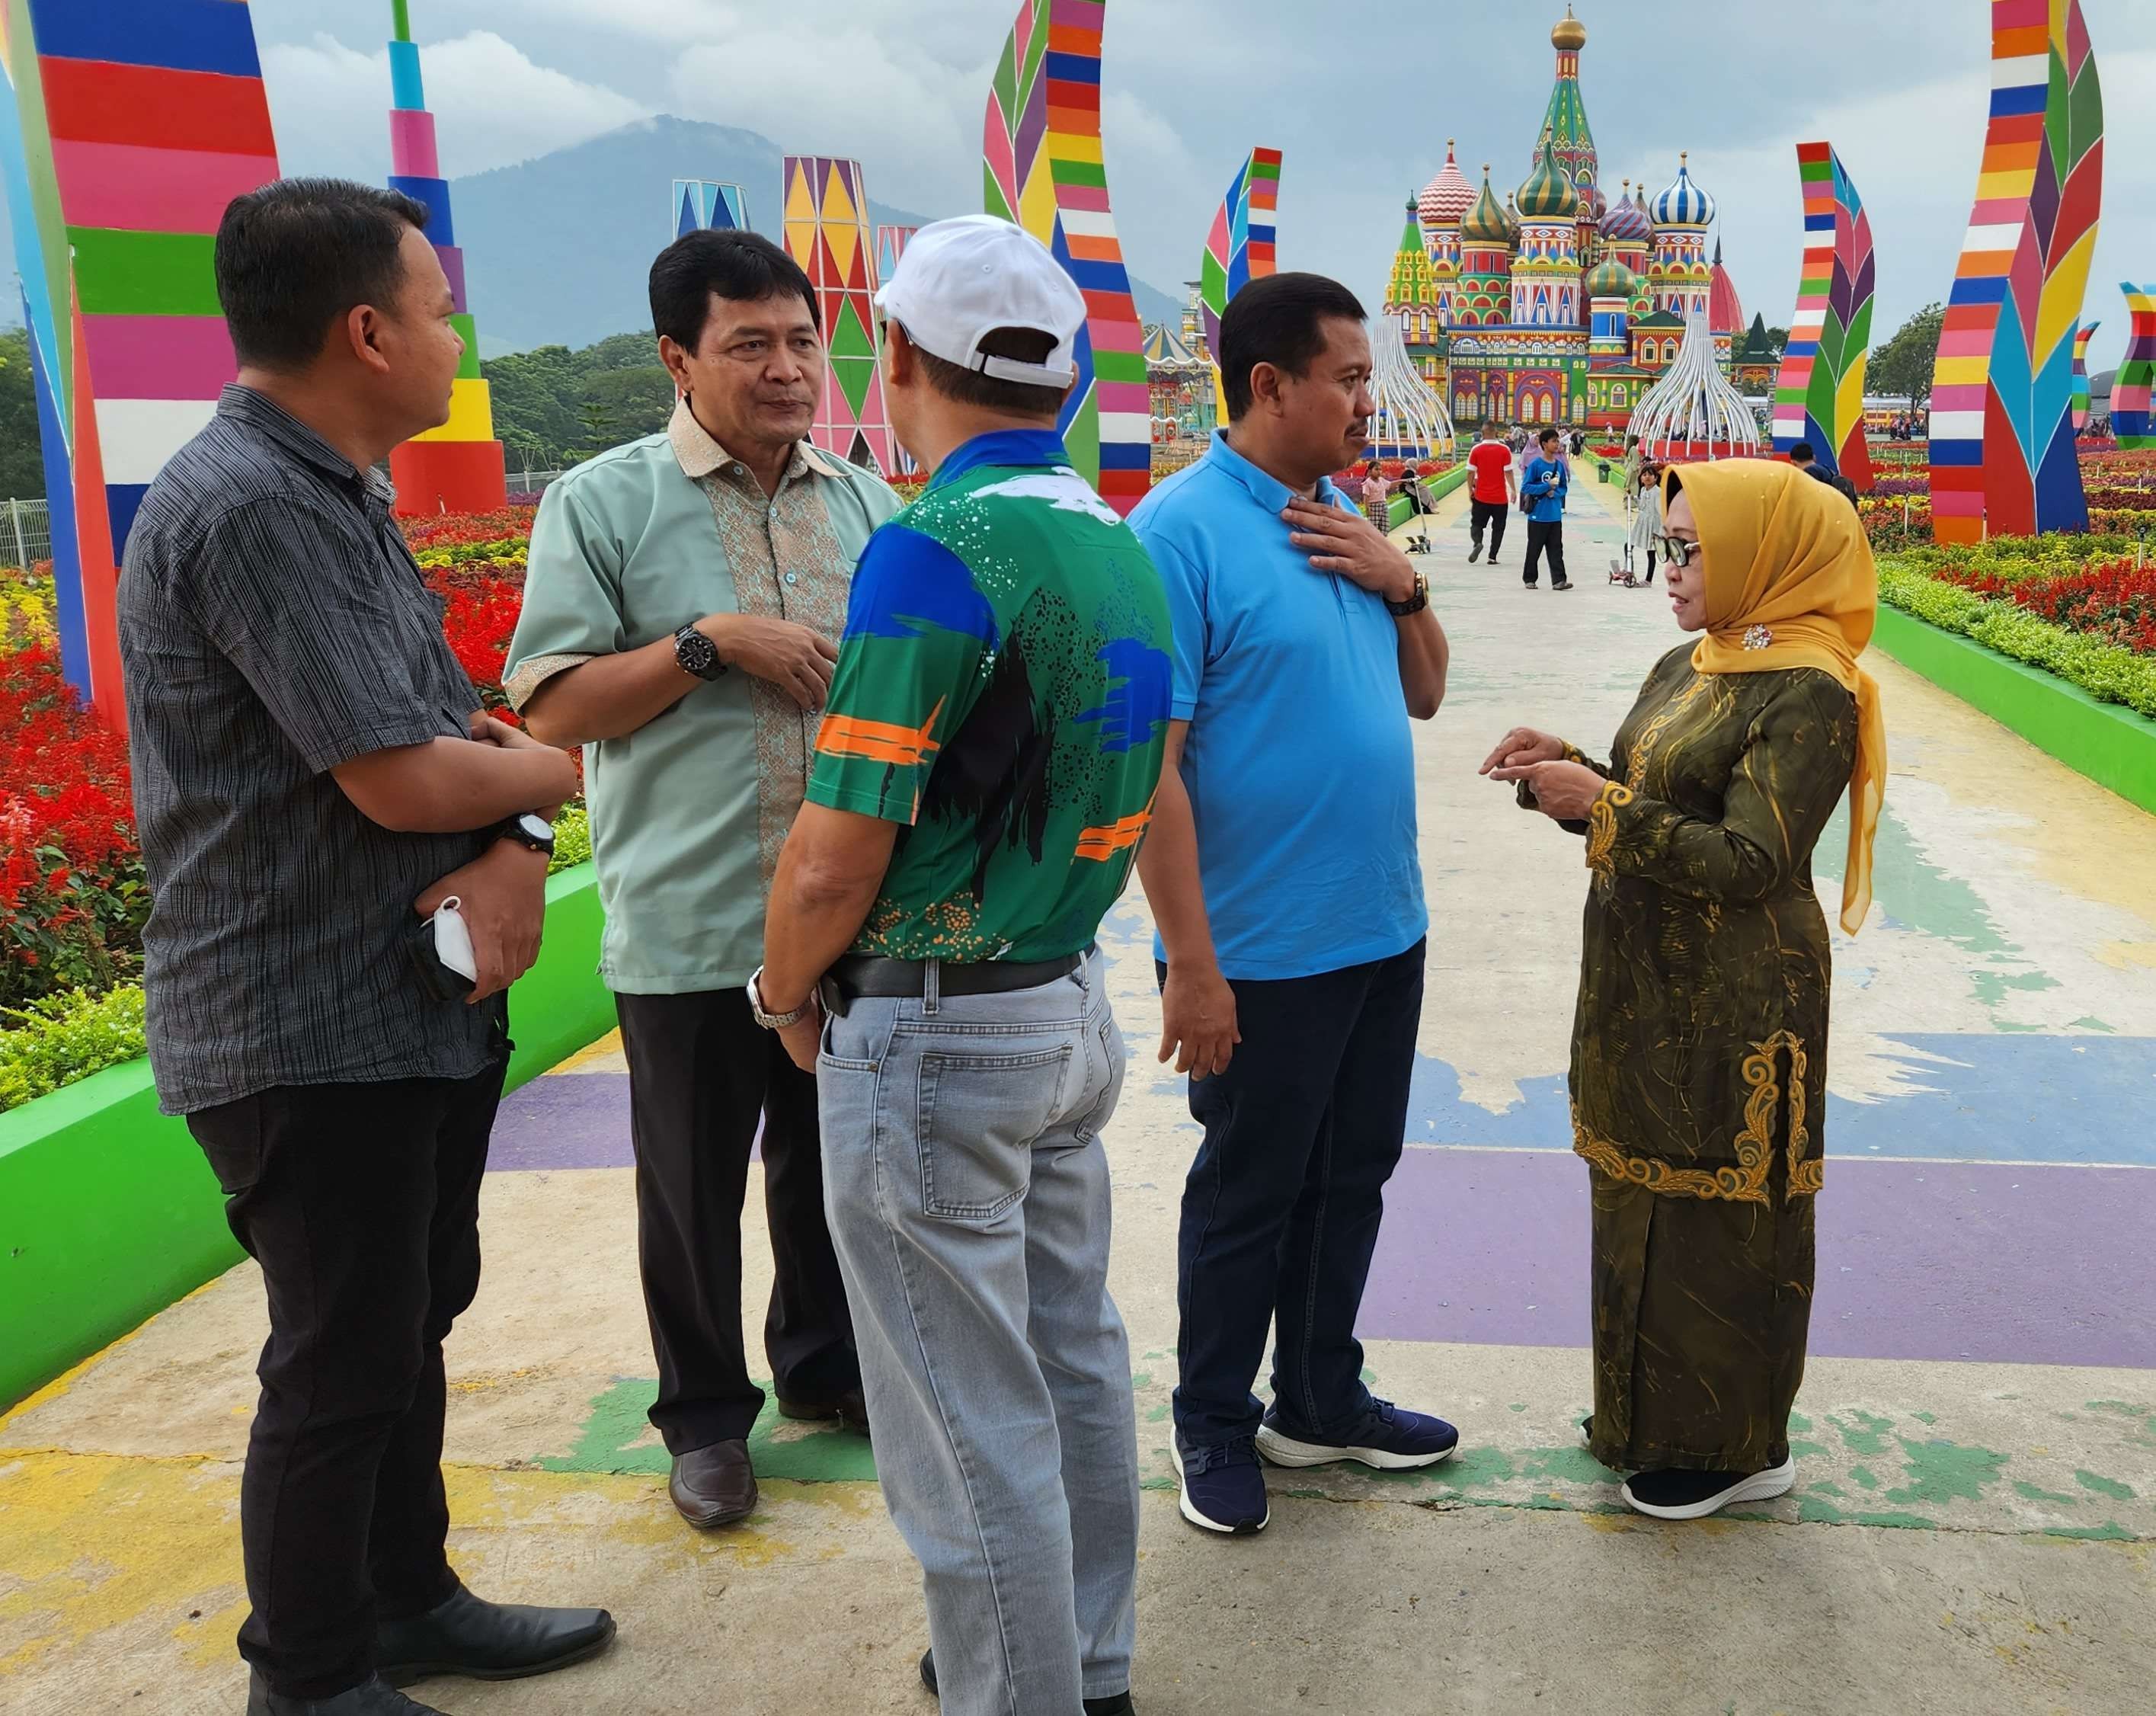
1677,551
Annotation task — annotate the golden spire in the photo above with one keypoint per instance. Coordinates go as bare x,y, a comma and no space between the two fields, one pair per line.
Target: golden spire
1570,35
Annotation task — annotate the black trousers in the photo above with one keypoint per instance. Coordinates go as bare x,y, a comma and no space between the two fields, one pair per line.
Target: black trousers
702,1073
361,1203
1545,537
1281,1207
1491,514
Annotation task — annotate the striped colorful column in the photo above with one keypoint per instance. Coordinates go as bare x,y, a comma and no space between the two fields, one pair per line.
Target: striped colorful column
707,205
133,124
890,242
1819,393
459,467
2081,398
2003,456
2133,419
1044,170
1242,246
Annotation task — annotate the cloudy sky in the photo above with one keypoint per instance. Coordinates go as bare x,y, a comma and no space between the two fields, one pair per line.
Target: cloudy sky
1900,88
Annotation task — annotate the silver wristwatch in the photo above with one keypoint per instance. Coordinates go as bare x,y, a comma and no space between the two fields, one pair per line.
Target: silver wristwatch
771,1021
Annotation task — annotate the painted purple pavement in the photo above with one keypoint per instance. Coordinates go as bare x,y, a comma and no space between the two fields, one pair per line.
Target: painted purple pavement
1988,1263
565,1120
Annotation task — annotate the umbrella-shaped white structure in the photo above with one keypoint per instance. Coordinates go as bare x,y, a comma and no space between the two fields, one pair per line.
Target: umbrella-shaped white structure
1412,423
1692,412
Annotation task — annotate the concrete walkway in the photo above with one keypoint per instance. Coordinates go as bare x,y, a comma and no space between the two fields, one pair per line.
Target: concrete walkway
1977,1490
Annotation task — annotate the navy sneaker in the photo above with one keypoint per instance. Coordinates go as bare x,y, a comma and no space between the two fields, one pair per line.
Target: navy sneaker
1224,1487
1388,1437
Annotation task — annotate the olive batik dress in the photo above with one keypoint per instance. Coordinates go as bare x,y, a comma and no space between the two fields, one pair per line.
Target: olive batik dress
1699,1059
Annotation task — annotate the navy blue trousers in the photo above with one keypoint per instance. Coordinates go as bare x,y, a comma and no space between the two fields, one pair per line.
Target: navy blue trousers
1281,1208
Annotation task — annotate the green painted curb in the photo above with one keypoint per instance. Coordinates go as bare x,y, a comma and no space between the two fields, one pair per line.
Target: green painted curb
109,1213
1435,487
2113,746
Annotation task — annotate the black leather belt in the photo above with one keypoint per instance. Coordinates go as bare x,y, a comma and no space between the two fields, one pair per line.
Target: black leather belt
857,976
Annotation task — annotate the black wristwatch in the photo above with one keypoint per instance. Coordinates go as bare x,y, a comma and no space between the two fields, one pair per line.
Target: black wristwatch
695,653
530,831
1415,603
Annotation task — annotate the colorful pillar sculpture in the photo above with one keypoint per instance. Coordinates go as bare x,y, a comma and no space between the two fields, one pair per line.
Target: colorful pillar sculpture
2081,395
1044,170
2003,457
459,467
890,245
827,232
1819,395
2133,416
702,205
1242,245
128,126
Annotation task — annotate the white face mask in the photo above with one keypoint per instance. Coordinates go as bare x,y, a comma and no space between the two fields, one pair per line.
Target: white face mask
453,941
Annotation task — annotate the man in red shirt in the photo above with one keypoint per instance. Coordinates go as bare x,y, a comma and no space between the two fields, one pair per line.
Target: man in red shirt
1496,490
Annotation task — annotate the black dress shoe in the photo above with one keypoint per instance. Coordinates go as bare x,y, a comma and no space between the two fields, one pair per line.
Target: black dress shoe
468,1635
714,1486
1115,1704
850,1409
377,1697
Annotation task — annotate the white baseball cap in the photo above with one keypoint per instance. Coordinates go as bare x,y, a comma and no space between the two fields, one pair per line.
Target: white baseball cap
960,281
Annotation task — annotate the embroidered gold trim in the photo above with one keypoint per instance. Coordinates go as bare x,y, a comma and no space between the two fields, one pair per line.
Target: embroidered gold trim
1747,1182
1602,827
1656,729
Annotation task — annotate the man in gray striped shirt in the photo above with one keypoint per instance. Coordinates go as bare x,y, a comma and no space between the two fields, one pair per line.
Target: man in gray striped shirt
312,781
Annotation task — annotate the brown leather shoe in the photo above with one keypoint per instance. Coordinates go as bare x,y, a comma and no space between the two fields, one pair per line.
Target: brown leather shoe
715,1486
850,1408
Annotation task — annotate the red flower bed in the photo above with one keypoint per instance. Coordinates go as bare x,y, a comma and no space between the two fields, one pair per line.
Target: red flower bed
451,530
2115,601
72,902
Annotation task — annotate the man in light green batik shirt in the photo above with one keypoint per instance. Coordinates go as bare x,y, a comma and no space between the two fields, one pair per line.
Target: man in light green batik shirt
681,611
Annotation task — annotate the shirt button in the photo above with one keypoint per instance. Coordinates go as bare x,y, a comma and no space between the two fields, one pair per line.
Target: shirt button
735,469
792,578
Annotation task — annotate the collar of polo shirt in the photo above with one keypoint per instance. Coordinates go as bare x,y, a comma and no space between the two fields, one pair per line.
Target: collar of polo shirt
700,455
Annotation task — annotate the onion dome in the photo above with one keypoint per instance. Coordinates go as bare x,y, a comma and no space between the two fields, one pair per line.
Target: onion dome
1725,310
1570,35
1612,279
1486,223
1549,193
1627,222
1684,204
1446,198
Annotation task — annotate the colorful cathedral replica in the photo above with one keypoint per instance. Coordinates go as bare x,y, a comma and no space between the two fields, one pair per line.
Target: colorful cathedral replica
1560,304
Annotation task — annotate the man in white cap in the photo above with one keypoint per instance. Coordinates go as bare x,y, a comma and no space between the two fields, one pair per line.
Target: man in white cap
983,775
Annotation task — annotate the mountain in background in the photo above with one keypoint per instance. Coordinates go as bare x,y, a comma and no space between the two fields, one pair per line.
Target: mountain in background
558,249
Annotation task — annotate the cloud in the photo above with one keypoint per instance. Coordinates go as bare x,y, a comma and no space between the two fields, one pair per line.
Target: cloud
494,105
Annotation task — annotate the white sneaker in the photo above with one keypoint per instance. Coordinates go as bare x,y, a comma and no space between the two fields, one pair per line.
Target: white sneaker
1760,1487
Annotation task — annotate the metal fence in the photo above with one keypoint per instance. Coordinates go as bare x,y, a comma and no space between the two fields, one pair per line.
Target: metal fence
531,482
26,533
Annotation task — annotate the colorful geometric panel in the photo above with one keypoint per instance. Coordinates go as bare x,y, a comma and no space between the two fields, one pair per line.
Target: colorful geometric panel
2082,397
1819,394
706,205
459,467
828,233
126,127
2133,409
2003,458
890,245
1043,170
1242,245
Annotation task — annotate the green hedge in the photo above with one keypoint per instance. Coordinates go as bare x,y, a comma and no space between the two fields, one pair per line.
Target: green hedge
68,1036
2106,671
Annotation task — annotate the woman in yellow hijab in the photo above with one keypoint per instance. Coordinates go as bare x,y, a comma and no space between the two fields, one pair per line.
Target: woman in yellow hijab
1699,1048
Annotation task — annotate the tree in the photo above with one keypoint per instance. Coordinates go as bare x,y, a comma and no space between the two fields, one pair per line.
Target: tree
1901,368
553,406
21,458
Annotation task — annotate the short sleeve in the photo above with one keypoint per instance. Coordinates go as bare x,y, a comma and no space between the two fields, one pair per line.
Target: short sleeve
1185,587
917,629
571,595
298,602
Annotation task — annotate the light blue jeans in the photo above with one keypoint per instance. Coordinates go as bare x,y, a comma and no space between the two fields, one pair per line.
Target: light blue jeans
967,1192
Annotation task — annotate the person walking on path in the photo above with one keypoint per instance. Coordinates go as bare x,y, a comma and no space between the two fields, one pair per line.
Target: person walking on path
1635,455
678,616
313,782
1643,540
1699,1057
1495,490
1543,489
1805,459
1377,497
1284,875
983,775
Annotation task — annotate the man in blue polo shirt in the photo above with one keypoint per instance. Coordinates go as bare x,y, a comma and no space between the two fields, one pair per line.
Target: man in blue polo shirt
1282,870
1544,487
